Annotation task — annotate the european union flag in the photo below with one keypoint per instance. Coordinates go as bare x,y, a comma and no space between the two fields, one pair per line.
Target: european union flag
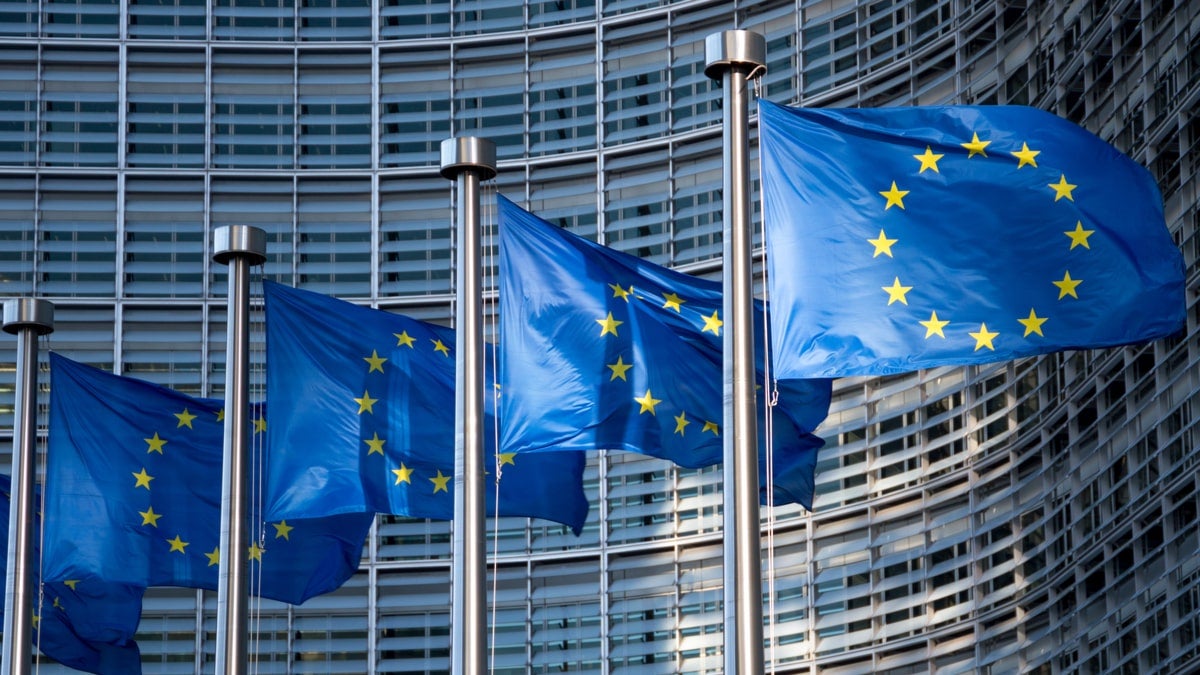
905,238
362,419
602,350
88,626
134,489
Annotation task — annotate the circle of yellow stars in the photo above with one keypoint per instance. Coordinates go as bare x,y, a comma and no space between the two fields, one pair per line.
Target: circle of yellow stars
884,245
143,479
365,405
647,403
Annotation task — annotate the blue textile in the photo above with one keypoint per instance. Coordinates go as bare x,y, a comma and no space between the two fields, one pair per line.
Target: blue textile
905,238
88,626
362,420
602,350
134,495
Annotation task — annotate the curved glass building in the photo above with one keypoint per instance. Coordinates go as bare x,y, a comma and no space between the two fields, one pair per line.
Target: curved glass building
1033,516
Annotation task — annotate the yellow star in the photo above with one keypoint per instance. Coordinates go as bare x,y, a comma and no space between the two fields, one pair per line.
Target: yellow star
712,324
619,368
375,360
403,474
933,326
260,425
1026,156
221,415
177,545
896,292
894,197
366,403
1079,236
976,146
255,552
1033,324
375,444
71,583
403,340
156,444
282,529
882,245
1062,188
439,346
681,421
984,337
143,479
507,458
440,483
928,160
214,558
711,426
37,620
185,419
622,293
57,602
149,517
648,402
673,302
608,325
1067,286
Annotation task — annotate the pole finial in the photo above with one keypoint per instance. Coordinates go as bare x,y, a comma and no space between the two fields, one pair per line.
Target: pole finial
468,153
239,240
732,48
28,313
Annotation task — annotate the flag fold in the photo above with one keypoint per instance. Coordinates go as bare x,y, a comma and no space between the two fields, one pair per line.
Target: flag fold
88,626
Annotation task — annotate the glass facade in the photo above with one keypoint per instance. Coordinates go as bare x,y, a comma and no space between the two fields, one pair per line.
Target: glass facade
1034,516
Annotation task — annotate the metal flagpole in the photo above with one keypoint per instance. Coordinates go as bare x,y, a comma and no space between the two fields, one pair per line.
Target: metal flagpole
735,57
469,161
240,247
27,318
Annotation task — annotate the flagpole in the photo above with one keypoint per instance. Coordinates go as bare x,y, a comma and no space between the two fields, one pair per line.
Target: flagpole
240,247
735,57
27,318
468,161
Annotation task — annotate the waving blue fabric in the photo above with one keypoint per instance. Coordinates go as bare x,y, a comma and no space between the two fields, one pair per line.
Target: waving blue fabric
134,489
362,420
905,238
603,350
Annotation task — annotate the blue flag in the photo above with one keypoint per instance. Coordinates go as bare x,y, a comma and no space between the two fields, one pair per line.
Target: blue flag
374,392
134,495
88,626
905,238
603,350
